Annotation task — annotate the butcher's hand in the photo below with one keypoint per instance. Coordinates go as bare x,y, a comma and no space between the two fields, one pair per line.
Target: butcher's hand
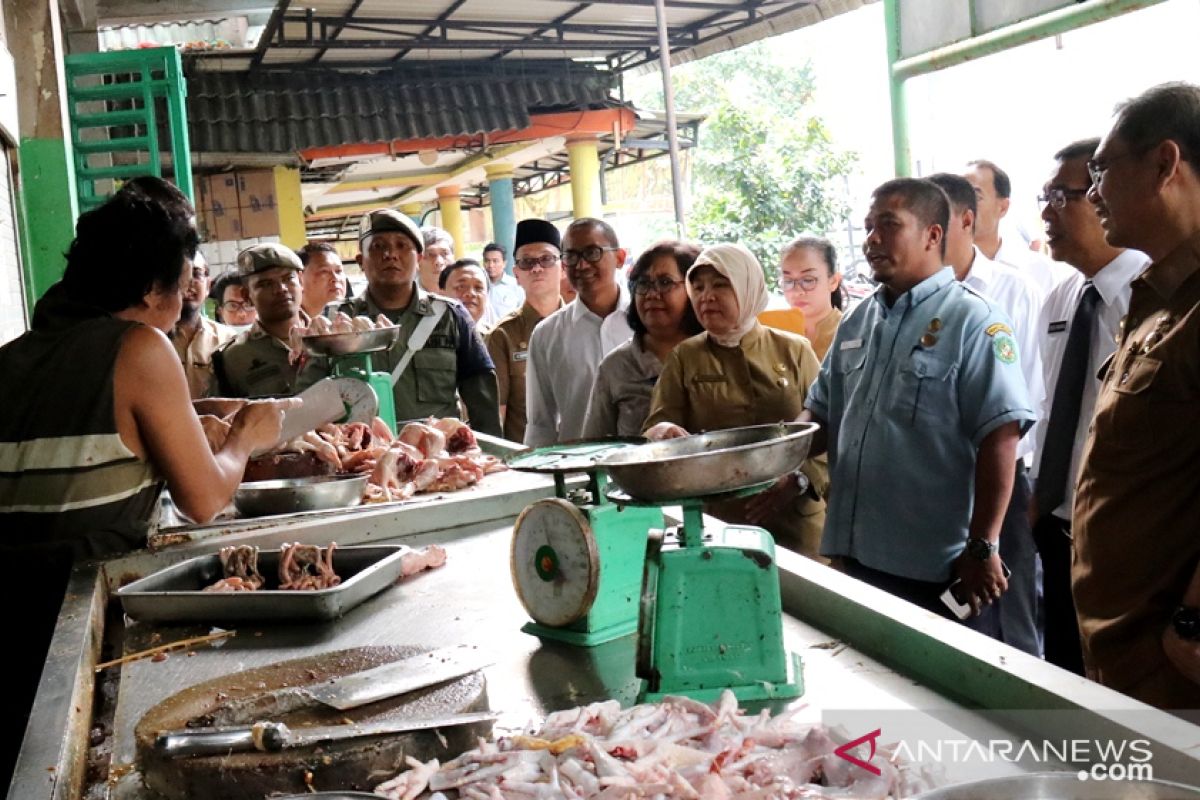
665,430
766,503
1183,653
259,422
216,431
982,581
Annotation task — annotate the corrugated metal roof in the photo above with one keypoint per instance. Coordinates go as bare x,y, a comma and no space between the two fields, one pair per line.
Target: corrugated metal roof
281,112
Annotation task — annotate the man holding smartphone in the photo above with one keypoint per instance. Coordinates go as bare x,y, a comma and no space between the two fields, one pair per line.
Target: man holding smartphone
921,400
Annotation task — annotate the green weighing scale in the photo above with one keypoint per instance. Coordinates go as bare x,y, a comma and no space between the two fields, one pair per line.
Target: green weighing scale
576,558
710,615
350,356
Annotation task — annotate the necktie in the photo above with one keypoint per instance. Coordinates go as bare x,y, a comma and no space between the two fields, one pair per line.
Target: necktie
1064,411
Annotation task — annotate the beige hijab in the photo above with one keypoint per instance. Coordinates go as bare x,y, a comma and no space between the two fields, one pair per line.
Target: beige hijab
745,274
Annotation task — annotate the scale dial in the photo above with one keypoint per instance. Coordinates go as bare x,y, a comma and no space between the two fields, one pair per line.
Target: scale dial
555,564
362,405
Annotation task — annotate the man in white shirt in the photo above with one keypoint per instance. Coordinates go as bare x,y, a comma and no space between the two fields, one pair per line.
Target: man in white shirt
993,192
1013,293
1076,238
567,346
504,295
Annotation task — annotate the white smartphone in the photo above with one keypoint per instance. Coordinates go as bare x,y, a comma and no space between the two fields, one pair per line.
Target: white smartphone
957,606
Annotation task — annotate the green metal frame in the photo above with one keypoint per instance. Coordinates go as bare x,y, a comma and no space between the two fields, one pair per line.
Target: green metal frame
978,45
152,74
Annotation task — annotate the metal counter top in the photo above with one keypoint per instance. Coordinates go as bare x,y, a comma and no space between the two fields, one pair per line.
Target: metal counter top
869,660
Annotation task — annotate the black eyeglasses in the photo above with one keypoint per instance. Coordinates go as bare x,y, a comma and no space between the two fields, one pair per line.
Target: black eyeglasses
805,284
1096,167
661,286
591,254
1057,198
545,262
234,305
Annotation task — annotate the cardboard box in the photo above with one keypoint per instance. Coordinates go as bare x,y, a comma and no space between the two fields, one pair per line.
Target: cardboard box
203,199
226,224
223,191
256,200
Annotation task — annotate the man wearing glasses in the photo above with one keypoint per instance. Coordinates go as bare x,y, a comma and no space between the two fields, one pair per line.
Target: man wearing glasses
1136,569
1009,289
538,268
196,337
1076,334
567,346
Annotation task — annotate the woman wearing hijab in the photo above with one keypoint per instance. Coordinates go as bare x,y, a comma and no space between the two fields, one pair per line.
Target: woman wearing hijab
661,316
739,372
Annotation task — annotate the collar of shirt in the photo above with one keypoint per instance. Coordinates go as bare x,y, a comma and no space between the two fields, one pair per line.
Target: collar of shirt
1115,276
982,272
578,311
504,280
256,330
1167,275
421,303
647,362
531,315
916,295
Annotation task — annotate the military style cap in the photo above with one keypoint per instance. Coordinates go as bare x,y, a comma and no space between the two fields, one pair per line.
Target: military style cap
389,219
262,257
532,231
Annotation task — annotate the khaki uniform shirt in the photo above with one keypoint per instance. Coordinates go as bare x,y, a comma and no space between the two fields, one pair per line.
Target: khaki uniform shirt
825,332
1137,503
255,364
706,387
196,354
508,344
452,363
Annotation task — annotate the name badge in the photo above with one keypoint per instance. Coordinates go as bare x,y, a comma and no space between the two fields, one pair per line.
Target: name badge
1057,327
851,344
520,355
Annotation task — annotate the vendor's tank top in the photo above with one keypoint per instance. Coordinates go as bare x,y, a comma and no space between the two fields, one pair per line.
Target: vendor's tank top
66,478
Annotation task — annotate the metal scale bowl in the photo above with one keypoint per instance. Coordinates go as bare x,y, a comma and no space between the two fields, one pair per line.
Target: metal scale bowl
350,354
576,558
710,616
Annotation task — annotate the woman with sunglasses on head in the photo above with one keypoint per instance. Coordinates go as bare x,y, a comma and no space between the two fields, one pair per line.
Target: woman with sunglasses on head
811,283
661,317
740,372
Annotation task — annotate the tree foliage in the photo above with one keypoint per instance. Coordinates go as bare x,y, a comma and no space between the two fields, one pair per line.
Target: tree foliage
765,169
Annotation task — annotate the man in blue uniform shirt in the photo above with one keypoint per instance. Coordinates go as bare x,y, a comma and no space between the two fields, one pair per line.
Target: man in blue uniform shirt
921,401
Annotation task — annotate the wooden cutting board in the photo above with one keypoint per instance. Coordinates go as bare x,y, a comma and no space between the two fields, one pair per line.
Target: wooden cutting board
357,764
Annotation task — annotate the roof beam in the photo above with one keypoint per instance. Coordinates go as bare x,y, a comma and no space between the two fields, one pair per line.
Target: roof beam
333,34
274,25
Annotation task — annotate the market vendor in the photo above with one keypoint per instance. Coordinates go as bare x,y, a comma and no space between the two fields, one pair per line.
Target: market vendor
740,372
259,362
438,356
95,416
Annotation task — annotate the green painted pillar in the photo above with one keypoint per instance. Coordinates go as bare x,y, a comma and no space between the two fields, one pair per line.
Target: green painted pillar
47,184
901,151
504,215
48,211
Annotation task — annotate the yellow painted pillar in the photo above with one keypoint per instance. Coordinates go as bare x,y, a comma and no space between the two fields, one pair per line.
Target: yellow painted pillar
291,207
412,211
584,162
452,217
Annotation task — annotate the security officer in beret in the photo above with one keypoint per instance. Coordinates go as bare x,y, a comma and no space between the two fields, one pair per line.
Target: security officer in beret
439,356
538,266
257,362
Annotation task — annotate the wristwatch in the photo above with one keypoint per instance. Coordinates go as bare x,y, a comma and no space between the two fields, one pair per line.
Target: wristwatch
980,549
802,481
1186,622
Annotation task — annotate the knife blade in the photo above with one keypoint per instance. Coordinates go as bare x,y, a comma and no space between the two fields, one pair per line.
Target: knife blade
271,737
320,404
358,688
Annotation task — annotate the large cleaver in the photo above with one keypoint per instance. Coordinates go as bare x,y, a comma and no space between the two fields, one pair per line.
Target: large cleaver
271,737
357,688
321,404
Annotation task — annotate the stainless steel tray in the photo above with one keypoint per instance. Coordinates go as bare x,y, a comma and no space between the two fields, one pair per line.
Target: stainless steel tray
175,594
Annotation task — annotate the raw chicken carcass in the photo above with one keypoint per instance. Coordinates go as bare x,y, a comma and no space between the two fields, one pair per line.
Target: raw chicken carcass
426,438
459,436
